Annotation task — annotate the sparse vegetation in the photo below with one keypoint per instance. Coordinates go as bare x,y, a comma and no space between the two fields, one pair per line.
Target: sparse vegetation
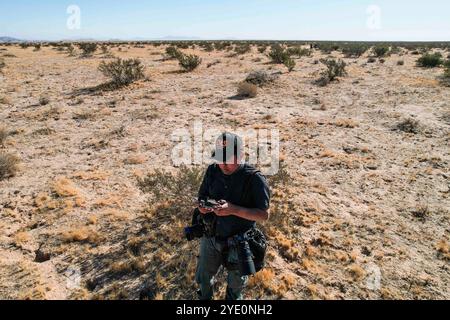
8,165
123,72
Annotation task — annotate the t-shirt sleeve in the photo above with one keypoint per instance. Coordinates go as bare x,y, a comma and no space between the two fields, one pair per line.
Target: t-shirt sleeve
203,193
260,192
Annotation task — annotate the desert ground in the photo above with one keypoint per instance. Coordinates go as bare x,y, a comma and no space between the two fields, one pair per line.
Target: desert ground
359,211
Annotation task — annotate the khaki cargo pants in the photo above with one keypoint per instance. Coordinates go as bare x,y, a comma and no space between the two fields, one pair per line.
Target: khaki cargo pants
209,263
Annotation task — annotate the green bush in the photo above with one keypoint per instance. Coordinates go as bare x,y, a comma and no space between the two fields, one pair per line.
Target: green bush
123,72
278,55
354,50
262,49
334,69
430,60
87,49
298,51
189,62
173,52
380,51
243,49
289,63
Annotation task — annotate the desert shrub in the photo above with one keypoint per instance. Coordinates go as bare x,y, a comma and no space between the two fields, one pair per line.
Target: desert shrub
8,165
182,185
44,100
3,135
37,47
172,52
2,65
71,50
123,72
326,47
289,63
299,52
334,69
380,51
409,126
260,78
430,60
400,63
189,62
445,78
262,49
208,47
104,48
354,50
87,49
247,89
242,49
278,55
24,45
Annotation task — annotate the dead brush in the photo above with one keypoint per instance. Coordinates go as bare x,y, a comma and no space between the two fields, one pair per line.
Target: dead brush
247,90
9,165
421,212
409,126
4,133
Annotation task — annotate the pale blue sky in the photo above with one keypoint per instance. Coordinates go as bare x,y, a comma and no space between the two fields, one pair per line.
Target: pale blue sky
409,20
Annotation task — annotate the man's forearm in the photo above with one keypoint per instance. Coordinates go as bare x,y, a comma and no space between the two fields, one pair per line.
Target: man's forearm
251,214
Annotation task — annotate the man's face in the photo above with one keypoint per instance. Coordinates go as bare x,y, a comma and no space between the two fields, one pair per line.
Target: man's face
229,168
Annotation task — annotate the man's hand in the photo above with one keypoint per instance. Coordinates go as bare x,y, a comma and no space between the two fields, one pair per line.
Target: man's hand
225,209
204,210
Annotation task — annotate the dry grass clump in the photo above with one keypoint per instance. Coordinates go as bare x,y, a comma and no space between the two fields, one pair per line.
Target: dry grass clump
9,165
82,234
356,272
4,133
64,187
248,90
443,249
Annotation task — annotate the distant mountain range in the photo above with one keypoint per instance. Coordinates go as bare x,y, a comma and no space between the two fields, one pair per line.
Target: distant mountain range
9,40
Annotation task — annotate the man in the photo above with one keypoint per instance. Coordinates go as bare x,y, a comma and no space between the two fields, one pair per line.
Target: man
246,198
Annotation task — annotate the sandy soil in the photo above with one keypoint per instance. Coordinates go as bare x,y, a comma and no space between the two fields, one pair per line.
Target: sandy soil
365,214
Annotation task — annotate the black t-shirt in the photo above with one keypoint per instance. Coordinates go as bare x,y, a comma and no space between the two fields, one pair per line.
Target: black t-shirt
218,186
